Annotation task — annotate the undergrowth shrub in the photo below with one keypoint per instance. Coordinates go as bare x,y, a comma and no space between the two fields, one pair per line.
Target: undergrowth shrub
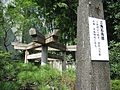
20,76
115,84
114,60
8,86
38,77
68,79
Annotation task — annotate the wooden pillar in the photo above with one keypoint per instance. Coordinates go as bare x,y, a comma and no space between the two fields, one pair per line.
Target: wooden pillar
44,54
91,75
51,63
26,54
60,65
64,62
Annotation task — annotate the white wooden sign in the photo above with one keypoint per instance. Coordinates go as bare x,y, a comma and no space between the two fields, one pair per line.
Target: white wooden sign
98,39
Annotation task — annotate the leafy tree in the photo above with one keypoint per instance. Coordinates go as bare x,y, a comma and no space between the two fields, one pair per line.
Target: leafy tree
61,14
46,16
112,15
24,14
5,27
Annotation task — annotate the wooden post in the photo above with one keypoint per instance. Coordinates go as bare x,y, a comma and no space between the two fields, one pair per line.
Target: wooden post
37,36
44,54
91,75
26,54
64,62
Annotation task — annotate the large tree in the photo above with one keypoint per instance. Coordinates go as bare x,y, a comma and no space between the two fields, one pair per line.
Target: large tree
5,26
112,15
46,16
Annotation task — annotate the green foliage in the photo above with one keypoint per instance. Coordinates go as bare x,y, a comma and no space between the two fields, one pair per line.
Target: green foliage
113,27
113,19
4,55
8,86
46,16
40,77
115,84
6,72
115,59
70,73
68,79
1,12
5,27
19,76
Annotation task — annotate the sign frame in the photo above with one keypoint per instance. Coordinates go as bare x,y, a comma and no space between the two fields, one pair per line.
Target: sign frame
98,39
